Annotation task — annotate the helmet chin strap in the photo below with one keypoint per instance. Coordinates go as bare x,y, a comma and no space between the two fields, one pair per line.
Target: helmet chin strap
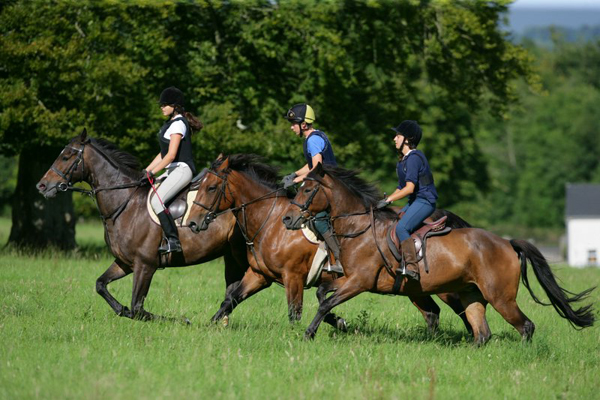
402,146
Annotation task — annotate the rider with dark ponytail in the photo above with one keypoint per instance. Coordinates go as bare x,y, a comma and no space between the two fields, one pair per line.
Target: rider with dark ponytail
175,140
415,180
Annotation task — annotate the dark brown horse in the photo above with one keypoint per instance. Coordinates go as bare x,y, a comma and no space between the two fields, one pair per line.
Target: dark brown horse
478,265
129,231
248,187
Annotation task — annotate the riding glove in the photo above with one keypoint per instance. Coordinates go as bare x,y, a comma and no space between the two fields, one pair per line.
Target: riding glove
288,180
382,204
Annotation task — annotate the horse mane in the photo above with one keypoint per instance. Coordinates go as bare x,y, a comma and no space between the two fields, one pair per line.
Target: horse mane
368,194
117,156
252,165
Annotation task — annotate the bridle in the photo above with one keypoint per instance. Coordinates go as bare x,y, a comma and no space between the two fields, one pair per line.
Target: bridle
213,213
68,174
68,185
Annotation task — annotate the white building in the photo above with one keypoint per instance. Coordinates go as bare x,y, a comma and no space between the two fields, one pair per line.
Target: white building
582,216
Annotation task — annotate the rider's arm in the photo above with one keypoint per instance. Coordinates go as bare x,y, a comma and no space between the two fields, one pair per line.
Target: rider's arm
171,154
302,172
154,162
402,193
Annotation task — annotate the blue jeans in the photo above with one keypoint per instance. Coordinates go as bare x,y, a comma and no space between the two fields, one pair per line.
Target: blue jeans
415,213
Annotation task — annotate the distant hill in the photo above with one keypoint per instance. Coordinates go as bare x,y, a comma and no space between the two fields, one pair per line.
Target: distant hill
542,36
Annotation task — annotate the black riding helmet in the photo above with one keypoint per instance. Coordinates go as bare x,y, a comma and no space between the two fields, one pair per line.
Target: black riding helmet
410,130
172,96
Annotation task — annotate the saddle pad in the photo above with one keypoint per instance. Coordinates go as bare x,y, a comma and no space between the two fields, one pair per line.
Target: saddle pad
317,265
181,221
310,235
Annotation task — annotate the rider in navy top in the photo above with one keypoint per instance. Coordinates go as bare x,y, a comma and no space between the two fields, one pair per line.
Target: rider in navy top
415,181
317,149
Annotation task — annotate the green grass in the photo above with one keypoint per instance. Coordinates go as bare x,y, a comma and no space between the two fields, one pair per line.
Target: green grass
61,340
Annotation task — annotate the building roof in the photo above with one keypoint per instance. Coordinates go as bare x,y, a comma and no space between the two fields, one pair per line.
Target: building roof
583,200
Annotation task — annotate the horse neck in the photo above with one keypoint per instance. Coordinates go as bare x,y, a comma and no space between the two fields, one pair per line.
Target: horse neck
101,173
254,215
343,201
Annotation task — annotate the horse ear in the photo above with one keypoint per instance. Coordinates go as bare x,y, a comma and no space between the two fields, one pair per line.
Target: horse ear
83,135
319,169
225,164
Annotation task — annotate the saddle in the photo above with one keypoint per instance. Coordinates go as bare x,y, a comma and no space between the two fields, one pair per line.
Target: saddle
180,204
428,229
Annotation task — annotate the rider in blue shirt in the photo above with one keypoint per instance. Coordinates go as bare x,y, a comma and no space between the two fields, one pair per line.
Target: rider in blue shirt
317,149
415,181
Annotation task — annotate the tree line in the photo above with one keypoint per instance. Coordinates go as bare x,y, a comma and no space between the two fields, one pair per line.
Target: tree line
364,66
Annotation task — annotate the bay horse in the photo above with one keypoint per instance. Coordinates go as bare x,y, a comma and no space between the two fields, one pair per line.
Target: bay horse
478,265
249,188
132,237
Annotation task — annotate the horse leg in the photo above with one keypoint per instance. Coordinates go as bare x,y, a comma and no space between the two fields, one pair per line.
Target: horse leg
142,277
453,301
250,284
331,318
343,290
113,273
505,302
430,311
294,292
234,273
474,305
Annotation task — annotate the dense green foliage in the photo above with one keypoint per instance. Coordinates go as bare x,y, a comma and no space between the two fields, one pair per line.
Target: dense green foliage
549,139
61,340
363,65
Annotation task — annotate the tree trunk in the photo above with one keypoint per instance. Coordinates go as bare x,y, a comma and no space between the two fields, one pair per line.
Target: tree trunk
38,222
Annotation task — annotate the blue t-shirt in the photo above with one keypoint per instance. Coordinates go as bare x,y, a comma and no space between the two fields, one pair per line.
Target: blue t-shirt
315,145
409,169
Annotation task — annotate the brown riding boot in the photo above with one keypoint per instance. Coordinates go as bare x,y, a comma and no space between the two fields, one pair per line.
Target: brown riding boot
410,267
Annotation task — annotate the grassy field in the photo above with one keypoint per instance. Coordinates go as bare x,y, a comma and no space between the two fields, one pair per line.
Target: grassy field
61,340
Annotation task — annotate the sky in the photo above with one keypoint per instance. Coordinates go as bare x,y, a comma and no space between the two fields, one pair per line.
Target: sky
572,14
556,4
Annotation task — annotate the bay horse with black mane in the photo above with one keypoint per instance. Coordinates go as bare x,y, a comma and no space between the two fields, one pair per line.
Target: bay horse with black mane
248,187
132,237
478,265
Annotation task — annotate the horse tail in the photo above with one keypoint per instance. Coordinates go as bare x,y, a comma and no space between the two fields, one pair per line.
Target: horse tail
559,297
453,221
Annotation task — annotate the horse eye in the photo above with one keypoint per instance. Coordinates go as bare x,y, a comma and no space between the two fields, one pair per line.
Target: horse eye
65,158
212,188
307,190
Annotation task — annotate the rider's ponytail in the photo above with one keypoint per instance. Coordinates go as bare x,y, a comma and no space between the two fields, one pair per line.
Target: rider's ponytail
195,124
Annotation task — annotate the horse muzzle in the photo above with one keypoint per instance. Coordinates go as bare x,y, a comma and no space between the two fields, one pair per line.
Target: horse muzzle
292,221
199,224
47,191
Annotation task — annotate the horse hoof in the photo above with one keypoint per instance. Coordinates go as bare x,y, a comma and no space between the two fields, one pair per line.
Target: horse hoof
186,321
341,325
309,336
225,321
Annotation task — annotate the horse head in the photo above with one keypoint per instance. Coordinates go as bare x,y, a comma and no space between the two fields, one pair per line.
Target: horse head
312,197
68,168
211,197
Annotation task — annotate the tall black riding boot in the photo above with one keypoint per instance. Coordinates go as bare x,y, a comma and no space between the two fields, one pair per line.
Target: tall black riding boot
172,245
409,256
332,243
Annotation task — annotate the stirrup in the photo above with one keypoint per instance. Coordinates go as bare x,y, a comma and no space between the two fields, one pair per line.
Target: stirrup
408,273
171,246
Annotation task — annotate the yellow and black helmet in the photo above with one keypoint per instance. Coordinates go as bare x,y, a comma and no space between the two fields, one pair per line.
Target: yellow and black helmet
301,113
